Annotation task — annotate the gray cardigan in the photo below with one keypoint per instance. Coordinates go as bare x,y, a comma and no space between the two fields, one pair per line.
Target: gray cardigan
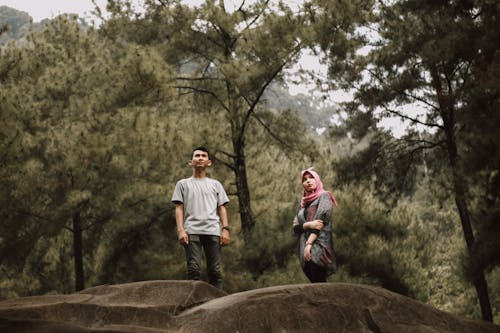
322,209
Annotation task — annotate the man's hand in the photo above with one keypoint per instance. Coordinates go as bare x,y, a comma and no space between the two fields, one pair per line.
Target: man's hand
183,238
224,237
179,221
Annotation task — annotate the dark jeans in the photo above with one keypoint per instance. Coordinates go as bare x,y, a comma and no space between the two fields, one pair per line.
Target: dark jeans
211,247
314,272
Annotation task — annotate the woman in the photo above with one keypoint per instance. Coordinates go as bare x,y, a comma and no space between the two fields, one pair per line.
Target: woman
313,224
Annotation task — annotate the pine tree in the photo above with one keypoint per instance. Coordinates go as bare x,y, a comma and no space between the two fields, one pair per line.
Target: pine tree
74,158
430,53
227,60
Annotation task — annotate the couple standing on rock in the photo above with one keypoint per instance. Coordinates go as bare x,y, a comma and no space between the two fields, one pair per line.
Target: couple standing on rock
202,222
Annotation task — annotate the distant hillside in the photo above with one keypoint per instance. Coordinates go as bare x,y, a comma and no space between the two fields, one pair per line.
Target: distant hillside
15,24
309,107
15,21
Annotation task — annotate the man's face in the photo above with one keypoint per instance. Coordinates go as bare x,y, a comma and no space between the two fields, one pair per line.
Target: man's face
200,159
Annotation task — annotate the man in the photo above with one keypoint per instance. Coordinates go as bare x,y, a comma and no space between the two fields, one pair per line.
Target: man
201,218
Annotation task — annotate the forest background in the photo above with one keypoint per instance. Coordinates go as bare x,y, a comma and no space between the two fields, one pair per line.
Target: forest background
97,124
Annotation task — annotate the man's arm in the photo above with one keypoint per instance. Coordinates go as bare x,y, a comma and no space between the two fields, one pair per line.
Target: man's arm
224,238
179,220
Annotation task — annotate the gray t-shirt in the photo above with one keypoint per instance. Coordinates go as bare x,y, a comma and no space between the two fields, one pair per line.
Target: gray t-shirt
200,197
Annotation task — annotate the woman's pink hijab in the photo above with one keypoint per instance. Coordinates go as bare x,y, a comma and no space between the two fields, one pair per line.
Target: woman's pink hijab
310,197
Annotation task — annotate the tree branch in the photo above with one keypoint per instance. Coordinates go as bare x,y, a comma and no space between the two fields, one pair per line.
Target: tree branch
183,78
415,120
254,19
256,100
204,91
402,92
271,133
227,164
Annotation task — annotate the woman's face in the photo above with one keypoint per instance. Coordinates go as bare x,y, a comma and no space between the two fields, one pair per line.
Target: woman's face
309,182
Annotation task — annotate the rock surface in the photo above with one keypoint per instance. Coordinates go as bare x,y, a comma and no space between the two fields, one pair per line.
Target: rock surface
188,306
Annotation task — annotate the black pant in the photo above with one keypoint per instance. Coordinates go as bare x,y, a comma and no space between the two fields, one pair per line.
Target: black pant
314,272
211,246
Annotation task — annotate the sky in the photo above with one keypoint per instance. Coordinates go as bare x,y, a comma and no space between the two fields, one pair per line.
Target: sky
41,9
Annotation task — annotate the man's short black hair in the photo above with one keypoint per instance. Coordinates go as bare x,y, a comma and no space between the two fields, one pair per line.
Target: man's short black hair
202,148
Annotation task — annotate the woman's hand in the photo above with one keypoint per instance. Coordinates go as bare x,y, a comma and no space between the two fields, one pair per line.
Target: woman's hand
315,224
307,252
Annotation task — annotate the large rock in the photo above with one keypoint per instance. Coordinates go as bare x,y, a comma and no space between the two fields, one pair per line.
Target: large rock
130,307
184,306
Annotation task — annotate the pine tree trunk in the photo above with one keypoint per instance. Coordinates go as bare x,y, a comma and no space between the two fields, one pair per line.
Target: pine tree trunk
447,111
245,210
239,122
479,280
78,251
